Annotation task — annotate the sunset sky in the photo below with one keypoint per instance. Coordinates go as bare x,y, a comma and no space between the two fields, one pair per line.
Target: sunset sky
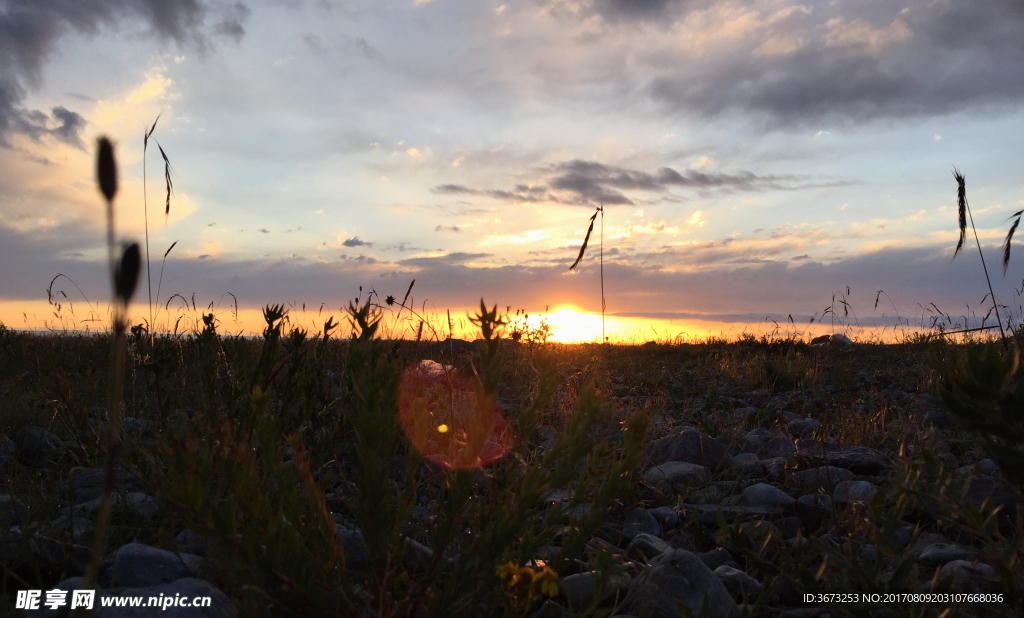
754,157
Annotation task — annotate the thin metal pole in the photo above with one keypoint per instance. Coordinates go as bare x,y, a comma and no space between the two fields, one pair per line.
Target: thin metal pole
990,292
603,337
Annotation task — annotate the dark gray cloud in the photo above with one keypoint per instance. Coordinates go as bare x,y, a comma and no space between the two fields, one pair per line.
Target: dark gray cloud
448,260
233,23
579,182
642,9
447,228
30,31
355,242
856,62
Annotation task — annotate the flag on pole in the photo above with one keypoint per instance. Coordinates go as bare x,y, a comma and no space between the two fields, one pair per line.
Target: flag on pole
586,239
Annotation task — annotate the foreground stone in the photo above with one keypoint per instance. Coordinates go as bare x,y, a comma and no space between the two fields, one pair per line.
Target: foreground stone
671,473
139,565
679,575
690,446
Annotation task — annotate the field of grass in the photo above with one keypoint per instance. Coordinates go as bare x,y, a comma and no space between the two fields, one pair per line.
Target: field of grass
290,465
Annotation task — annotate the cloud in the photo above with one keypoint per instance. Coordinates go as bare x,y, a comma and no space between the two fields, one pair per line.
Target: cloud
232,26
29,36
933,58
579,182
355,242
447,228
65,125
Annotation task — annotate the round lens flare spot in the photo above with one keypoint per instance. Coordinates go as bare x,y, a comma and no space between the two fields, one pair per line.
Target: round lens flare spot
467,429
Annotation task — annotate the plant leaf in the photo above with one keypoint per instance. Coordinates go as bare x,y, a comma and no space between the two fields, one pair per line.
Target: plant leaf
586,239
1009,237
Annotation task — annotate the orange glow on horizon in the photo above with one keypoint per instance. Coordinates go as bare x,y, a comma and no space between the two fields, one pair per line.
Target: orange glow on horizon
567,324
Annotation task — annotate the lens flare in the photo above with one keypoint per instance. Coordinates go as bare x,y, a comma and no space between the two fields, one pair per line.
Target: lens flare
449,418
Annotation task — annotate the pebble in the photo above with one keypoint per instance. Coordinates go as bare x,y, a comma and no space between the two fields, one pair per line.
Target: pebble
691,446
666,516
680,575
191,543
747,465
765,495
581,589
823,476
848,492
640,521
10,507
779,446
38,447
967,576
138,565
738,583
646,546
941,553
666,475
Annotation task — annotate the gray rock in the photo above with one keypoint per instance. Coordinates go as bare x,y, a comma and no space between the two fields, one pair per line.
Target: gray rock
941,553
143,504
860,460
189,542
38,447
937,418
738,583
10,507
924,541
640,521
779,446
982,489
186,588
548,609
803,427
59,556
671,473
354,546
967,577
987,465
645,547
140,566
76,527
819,500
7,450
88,484
775,467
691,446
582,589
747,465
766,496
417,555
790,526
136,427
717,557
900,539
823,476
848,492
679,575
666,516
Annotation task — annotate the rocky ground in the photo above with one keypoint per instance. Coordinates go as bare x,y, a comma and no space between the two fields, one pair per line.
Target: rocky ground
758,467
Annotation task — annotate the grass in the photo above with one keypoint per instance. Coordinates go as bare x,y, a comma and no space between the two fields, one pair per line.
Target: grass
277,449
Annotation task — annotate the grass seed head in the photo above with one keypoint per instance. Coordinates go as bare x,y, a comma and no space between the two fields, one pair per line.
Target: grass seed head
961,200
106,169
126,278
